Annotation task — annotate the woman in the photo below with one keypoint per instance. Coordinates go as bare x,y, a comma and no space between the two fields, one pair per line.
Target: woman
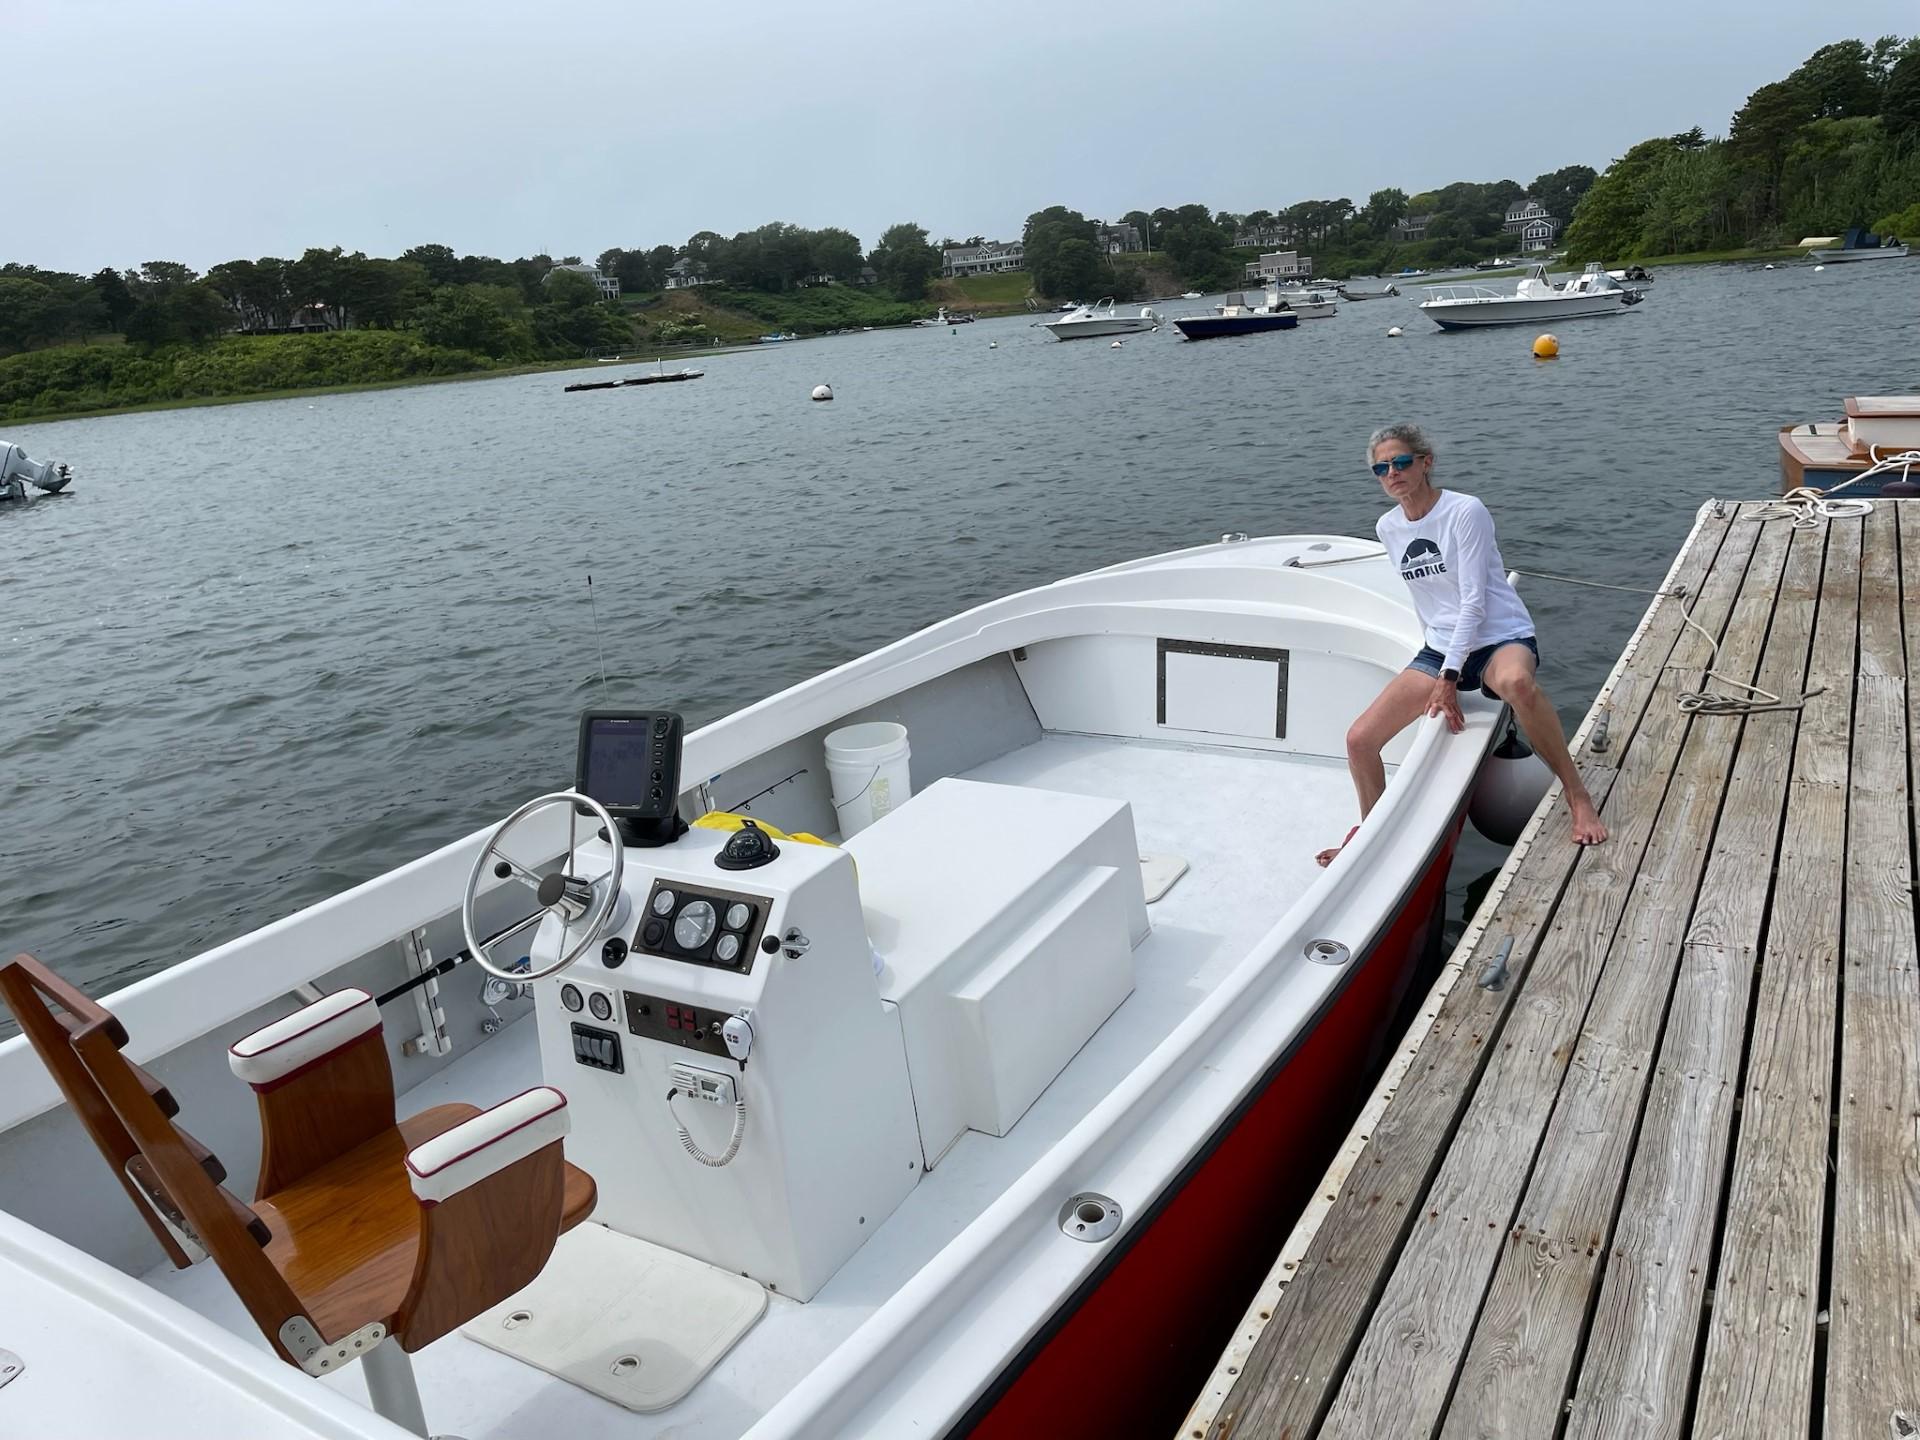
1478,632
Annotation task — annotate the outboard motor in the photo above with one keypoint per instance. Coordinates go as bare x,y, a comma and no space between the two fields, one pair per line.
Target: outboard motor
17,472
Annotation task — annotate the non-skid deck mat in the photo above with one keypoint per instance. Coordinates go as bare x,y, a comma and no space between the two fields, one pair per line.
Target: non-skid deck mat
633,1323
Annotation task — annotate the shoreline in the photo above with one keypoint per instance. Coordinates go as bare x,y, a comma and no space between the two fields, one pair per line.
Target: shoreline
541,367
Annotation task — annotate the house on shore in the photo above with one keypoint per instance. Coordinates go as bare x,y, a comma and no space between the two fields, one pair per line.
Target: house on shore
609,284
685,273
1280,265
1120,239
990,259
1531,223
1412,228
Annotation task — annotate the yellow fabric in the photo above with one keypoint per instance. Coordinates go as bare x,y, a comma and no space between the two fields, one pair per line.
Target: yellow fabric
728,820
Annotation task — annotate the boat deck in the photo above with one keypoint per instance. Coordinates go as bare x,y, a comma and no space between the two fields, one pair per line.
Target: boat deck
1665,1179
1198,802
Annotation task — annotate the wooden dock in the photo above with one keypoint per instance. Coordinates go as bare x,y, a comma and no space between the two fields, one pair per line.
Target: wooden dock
1664,1180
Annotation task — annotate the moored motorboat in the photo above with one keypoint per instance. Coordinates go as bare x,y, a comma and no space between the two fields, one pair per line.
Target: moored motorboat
1356,291
1008,1100
22,479
1307,302
1235,315
1879,434
1085,322
1857,244
1535,300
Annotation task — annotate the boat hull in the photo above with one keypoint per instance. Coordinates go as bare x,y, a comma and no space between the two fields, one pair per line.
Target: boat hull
1132,1352
1214,327
1480,314
1846,257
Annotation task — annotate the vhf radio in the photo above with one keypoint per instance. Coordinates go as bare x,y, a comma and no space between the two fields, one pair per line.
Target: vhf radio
629,760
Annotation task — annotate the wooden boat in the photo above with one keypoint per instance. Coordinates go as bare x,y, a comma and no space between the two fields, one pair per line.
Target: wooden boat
1017,1113
1824,454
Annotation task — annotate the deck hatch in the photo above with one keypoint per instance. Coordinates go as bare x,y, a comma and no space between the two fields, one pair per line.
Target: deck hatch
1222,689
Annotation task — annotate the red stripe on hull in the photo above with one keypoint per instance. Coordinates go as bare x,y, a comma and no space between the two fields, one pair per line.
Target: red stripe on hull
1135,1354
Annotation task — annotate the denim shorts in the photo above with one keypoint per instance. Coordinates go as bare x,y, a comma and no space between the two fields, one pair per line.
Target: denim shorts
1429,661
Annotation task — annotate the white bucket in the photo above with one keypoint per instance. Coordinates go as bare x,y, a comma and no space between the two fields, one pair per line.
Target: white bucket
867,766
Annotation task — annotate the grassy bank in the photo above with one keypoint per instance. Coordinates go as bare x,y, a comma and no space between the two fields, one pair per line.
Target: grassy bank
496,372
1001,294
1713,257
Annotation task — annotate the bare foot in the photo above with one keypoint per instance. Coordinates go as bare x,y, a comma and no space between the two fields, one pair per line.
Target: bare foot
1587,829
1325,857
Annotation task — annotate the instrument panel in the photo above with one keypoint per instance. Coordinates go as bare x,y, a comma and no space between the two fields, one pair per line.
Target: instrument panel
702,926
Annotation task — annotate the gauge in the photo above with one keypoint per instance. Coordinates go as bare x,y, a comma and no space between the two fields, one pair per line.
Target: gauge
727,949
570,997
601,1004
663,902
694,927
739,915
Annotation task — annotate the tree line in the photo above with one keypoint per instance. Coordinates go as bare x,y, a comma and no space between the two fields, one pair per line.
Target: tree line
1834,145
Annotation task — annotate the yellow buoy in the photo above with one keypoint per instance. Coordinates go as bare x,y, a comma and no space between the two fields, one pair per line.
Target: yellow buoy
1545,348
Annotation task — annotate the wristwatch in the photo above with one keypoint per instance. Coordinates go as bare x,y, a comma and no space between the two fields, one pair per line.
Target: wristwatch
1452,677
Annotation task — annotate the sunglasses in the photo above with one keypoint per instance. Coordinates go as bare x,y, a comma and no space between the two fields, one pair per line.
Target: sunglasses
1398,463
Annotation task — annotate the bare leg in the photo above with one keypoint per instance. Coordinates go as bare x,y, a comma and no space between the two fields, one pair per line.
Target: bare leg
1510,674
1398,706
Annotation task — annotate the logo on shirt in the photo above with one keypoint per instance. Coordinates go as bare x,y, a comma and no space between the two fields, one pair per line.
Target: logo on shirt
1421,561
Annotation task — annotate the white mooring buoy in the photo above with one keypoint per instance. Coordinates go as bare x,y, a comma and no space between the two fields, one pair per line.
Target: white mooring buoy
823,392
1116,344
1818,268
993,344
1394,332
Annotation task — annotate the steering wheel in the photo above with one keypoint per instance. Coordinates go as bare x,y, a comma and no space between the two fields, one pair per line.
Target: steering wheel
565,895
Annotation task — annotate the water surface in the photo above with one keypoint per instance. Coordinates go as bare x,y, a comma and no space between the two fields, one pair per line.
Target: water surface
265,651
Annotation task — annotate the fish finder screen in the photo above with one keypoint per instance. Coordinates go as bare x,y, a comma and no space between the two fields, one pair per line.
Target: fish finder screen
618,772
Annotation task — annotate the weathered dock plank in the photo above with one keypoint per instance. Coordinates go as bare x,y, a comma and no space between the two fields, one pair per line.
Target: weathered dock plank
1302,1352
1403,1371
1565,1222
1757,1368
1873,1348
1643,1338
1517,1369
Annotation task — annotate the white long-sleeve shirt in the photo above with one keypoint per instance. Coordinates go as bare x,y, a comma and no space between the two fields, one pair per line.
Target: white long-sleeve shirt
1452,564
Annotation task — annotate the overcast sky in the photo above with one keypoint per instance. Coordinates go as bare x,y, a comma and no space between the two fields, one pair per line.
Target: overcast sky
208,131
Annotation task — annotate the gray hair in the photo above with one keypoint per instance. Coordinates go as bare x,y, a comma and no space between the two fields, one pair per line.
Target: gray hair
1411,436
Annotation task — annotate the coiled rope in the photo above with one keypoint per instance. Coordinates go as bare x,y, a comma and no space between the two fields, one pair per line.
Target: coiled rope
1808,506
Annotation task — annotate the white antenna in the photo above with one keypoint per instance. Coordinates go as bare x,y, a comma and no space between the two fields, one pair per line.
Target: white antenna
602,654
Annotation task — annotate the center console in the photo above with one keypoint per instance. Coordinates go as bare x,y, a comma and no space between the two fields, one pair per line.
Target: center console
738,1087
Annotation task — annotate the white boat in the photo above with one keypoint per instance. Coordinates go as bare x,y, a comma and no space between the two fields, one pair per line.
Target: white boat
1535,300
1086,321
1856,244
22,479
915,1147
1357,289
1191,295
1304,300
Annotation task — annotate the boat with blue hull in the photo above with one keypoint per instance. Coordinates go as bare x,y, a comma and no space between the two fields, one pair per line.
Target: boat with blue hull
1234,316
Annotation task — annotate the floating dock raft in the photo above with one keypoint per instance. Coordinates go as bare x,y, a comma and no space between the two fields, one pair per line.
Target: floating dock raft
1662,1176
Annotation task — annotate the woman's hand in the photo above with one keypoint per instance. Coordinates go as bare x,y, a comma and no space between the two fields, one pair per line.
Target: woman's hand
1445,701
